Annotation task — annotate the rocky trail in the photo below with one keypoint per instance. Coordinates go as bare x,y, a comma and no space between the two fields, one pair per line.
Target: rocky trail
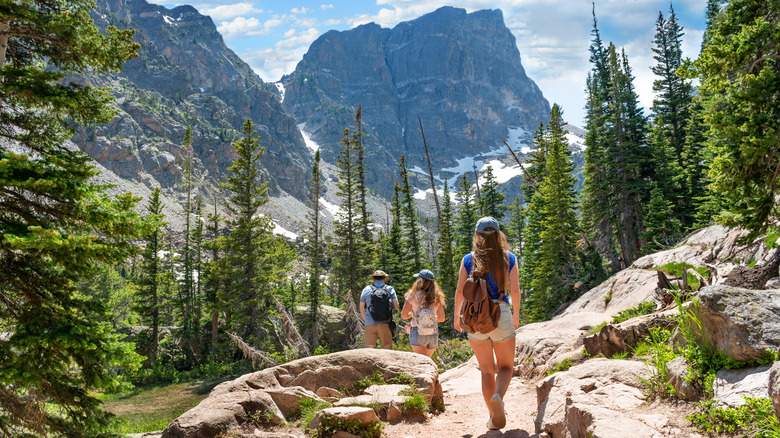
465,413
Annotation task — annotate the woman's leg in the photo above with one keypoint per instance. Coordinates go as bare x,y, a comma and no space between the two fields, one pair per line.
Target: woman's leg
505,362
419,349
487,366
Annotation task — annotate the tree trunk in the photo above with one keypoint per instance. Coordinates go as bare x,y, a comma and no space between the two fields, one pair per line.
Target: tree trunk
5,26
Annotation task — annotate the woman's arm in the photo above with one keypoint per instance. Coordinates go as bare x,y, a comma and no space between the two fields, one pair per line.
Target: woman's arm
462,276
440,313
514,289
406,313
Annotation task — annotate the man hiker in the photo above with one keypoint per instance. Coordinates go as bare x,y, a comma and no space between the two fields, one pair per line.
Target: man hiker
380,300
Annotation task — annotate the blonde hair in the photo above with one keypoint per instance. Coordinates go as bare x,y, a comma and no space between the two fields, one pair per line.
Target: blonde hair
491,256
431,293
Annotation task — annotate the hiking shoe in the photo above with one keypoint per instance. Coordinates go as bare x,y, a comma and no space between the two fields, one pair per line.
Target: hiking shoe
497,406
490,425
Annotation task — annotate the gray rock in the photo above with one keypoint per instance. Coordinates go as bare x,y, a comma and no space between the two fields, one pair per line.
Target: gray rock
732,386
364,415
678,372
741,323
774,387
773,283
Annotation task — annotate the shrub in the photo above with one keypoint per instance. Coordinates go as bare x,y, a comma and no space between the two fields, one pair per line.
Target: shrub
415,403
643,308
331,425
756,419
562,366
308,408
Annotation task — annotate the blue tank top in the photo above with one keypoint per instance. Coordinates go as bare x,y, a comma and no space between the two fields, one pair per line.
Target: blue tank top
493,291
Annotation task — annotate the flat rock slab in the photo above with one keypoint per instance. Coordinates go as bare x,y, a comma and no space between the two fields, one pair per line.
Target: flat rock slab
732,386
364,415
369,400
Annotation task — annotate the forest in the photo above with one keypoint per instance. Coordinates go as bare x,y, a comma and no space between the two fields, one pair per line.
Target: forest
225,295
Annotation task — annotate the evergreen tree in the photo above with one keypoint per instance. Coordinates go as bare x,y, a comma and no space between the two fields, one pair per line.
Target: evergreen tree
396,258
466,219
492,198
186,287
411,228
57,226
249,234
448,271
148,300
696,160
213,282
555,270
315,253
661,225
348,246
365,218
671,111
198,245
739,72
516,227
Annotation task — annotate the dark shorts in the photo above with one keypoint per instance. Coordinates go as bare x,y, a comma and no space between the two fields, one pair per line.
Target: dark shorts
428,341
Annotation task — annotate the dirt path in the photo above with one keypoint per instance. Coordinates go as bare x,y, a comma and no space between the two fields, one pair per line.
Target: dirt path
465,412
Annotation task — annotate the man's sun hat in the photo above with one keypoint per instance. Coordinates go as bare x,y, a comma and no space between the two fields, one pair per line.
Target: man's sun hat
487,225
379,273
425,273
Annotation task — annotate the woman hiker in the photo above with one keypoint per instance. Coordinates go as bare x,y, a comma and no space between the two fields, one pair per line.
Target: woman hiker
424,303
490,255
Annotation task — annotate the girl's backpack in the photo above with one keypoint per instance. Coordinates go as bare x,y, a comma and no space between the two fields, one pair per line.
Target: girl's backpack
426,322
478,314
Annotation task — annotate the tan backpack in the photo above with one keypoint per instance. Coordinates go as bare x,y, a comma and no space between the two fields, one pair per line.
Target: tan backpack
478,313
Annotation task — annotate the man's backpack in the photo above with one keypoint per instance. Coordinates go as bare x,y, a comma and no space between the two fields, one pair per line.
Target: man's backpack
478,314
380,304
426,322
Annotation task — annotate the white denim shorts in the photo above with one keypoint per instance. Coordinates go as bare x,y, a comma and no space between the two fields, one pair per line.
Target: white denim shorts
505,329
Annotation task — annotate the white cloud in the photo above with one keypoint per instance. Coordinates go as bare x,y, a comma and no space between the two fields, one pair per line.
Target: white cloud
328,6
240,27
303,37
301,10
273,63
225,12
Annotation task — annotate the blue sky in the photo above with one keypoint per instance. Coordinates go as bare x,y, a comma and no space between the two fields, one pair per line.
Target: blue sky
552,35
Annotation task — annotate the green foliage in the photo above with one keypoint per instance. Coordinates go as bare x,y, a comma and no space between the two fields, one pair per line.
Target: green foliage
331,425
166,371
416,402
403,379
452,353
660,353
597,328
677,269
756,418
561,366
308,408
376,378
492,198
643,308
58,226
321,350
739,72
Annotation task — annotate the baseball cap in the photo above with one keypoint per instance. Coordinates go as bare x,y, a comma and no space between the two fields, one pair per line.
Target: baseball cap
425,273
487,225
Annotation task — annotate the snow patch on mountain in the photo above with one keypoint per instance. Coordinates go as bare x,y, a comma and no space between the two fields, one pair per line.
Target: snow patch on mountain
311,144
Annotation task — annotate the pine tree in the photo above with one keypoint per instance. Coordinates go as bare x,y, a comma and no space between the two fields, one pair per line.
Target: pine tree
739,70
198,245
515,229
410,225
448,271
554,269
467,217
187,284
315,253
57,226
213,282
248,236
396,258
148,300
492,198
348,249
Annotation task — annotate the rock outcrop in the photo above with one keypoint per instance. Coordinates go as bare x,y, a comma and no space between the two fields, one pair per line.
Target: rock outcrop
269,396
460,73
741,323
186,75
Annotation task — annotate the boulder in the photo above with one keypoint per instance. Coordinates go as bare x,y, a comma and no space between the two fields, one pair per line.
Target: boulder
269,395
598,398
773,283
394,414
608,341
732,386
741,323
774,387
678,372
364,415
329,394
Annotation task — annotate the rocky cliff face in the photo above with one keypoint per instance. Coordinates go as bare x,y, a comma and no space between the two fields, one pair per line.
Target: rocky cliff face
185,74
459,73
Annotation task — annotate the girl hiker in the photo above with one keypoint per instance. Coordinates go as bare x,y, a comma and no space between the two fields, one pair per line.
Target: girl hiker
490,255
424,303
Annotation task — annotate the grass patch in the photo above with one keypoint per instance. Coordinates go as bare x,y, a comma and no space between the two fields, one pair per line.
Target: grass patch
756,418
561,366
597,328
308,409
331,425
151,409
676,269
452,353
643,308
